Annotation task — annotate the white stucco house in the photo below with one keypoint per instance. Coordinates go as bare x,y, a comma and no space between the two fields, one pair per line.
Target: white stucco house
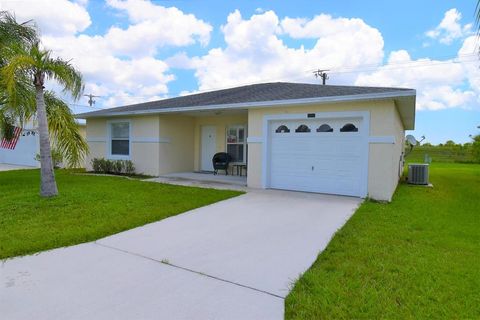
344,140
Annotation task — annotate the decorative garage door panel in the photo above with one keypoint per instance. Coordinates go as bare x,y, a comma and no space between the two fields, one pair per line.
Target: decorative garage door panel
317,161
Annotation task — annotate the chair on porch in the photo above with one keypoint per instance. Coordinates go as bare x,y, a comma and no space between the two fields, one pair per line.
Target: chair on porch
220,162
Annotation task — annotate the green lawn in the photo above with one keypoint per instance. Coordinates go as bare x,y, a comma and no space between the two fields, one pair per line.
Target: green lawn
88,208
415,258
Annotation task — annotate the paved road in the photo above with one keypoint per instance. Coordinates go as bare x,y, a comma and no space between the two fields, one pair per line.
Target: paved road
235,259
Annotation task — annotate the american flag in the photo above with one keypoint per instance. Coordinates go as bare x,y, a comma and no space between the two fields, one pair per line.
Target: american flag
10,144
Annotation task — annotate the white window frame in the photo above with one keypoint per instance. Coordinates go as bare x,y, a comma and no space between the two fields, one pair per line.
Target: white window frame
109,140
244,143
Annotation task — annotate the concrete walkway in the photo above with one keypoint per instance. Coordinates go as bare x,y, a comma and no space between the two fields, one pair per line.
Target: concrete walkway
235,259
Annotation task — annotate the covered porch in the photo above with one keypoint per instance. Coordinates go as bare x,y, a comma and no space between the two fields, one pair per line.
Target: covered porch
221,131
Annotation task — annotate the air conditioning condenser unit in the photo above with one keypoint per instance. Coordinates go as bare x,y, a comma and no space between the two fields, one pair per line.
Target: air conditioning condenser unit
418,173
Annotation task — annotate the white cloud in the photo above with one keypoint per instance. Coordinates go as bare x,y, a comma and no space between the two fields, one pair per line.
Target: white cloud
107,74
450,28
256,52
157,24
83,3
54,17
119,65
439,84
472,70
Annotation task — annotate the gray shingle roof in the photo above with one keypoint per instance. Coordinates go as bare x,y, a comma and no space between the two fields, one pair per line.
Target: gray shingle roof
262,92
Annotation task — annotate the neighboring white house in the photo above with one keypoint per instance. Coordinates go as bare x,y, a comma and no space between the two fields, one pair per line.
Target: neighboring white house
343,140
26,148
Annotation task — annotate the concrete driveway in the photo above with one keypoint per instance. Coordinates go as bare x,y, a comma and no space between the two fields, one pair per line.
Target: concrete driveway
235,259
8,167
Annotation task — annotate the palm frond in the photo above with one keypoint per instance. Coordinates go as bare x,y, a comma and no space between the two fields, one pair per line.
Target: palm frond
64,131
20,102
18,67
66,75
6,125
13,32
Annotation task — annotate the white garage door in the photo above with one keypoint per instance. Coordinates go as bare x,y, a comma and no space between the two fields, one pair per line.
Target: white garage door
318,155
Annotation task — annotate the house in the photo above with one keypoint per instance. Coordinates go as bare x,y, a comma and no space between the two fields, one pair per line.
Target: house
345,140
21,150
27,147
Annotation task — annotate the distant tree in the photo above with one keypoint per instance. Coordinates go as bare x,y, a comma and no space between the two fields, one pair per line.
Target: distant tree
427,144
450,143
476,147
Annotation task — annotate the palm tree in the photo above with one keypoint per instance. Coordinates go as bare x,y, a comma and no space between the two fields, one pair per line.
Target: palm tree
24,67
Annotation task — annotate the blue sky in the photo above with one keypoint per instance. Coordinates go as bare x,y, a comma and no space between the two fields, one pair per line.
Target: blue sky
135,50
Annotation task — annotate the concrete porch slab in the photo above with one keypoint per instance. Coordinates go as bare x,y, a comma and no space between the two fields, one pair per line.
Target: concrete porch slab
204,180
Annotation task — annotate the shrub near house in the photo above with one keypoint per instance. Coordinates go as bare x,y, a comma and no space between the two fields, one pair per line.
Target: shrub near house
101,165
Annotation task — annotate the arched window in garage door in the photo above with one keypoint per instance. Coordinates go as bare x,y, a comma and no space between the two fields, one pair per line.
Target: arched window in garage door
349,127
325,128
302,128
282,129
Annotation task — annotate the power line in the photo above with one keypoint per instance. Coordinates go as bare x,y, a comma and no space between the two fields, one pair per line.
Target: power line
413,65
342,70
432,59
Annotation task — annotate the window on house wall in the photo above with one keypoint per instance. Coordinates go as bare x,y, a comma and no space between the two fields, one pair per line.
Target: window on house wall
237,143
120,138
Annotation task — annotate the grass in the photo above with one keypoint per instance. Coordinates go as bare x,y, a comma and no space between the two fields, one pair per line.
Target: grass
88,208
415,258
442,154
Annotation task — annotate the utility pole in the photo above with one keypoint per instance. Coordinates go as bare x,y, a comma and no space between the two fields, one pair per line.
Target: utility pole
91,101
321,74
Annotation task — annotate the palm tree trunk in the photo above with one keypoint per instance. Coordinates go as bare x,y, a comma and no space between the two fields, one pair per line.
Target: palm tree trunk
48,186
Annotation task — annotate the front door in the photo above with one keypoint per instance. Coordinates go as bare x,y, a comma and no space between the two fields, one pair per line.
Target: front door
209,147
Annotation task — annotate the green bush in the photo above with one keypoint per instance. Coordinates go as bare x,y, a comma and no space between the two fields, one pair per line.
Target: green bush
57,158
108,166
129,167
101,165
97,164
117,166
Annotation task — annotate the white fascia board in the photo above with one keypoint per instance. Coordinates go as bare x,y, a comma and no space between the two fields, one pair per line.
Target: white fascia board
263,104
